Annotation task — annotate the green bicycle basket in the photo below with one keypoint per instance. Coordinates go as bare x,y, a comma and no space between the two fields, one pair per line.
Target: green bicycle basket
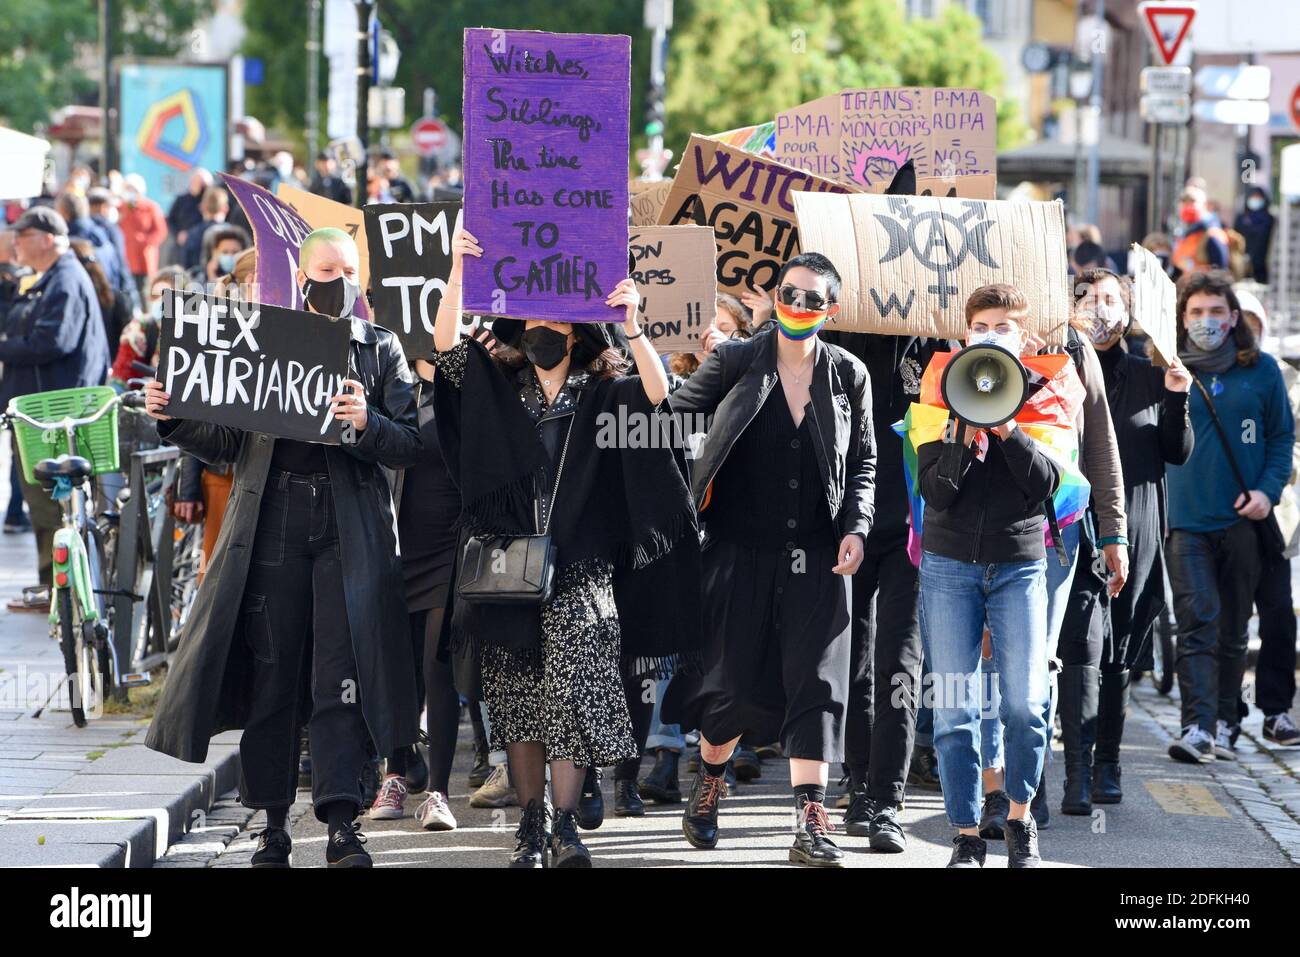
96,442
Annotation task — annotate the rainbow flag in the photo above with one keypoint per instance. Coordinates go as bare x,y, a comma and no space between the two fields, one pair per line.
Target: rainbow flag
1055,394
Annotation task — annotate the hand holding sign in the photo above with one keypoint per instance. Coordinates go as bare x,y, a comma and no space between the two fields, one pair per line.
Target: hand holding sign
626,296
350,406
155,400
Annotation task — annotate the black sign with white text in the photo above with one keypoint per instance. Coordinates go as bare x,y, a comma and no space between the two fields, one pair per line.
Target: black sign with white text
253,366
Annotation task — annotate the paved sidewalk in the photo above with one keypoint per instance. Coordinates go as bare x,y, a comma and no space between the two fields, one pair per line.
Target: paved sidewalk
92,796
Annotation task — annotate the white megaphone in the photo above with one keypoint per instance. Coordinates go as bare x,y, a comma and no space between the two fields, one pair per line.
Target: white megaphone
984,385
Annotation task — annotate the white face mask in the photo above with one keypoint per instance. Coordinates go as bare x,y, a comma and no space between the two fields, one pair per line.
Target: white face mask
156,309
1255,203
1208,334
1007,340
1106,319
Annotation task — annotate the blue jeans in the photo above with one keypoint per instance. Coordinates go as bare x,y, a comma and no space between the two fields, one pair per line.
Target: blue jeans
957,599
1059,578
663,735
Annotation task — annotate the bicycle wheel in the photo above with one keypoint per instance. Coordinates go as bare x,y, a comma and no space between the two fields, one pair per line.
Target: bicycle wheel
68,644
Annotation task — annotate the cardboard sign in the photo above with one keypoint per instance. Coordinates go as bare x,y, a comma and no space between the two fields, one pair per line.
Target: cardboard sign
908,263
253,366
1155,303
546,147
410,250
278,232
863,137
760,138
749,203
675,274
320,212
646,199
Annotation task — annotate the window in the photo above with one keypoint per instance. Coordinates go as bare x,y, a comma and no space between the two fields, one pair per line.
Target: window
920,8
993,14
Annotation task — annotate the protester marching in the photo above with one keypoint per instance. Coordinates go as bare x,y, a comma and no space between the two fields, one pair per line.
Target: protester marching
824,499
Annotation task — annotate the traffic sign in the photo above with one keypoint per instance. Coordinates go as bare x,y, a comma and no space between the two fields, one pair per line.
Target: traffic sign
1233,112
1244,82
429,135
1164,108
1167,25
1169,80
1295,107
1037,58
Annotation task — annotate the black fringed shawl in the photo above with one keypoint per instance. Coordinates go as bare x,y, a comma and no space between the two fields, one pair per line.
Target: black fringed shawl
629,506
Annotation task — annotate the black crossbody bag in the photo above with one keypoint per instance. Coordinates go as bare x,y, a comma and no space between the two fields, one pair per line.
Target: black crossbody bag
1271,541
513,569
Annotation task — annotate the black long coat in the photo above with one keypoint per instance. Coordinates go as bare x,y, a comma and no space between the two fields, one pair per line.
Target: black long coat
208,688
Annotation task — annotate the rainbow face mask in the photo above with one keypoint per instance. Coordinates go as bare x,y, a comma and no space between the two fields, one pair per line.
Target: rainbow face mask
797,324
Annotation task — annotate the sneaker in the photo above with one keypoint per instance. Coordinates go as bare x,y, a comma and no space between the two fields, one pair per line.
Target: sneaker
993,820
344,848
434,814
968,851
811,845
497,791
1194,747
886,833
746,765
37,605
17,528
700,822
1022,843
591,805
567,849
627,799
1281,730
861,809
530,838
1225,742
274,848
390,802
923,773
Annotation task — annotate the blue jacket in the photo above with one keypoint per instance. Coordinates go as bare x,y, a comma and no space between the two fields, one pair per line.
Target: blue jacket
105,252
54,334
1253,407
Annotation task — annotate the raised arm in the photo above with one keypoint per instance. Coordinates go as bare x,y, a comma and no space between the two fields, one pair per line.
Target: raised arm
654,378
446,326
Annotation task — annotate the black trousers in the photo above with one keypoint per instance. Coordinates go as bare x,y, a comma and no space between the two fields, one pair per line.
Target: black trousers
1275,670
1214,576
880,725
295,624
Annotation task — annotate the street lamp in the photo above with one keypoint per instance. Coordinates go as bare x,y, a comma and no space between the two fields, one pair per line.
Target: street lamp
365,9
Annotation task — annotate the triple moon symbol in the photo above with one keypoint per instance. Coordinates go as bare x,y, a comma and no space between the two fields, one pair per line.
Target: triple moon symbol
940,241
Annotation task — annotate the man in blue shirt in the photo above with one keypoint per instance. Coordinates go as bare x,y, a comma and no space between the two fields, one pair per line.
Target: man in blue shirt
1214,548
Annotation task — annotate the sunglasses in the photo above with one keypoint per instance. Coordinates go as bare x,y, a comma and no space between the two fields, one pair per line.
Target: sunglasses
793,295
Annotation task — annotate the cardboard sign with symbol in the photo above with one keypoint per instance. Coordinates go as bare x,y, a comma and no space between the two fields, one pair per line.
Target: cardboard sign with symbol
909,263
646,199
1155,300
674,270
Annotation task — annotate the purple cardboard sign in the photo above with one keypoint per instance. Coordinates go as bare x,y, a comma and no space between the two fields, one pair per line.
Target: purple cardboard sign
546,146
278,232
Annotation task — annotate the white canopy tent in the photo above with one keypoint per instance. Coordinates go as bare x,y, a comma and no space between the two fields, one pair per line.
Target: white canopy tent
22,164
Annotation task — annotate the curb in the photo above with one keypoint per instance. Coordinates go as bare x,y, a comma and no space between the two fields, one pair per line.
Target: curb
124,809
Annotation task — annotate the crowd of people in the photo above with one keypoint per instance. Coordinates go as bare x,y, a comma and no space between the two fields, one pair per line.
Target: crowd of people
761,592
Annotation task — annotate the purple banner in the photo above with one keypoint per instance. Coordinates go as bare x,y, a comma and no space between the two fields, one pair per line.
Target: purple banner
546,170
278,232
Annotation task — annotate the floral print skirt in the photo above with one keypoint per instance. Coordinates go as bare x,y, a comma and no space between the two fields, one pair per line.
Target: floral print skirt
573,701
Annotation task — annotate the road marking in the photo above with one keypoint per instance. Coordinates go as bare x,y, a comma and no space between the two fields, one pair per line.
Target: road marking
1180,797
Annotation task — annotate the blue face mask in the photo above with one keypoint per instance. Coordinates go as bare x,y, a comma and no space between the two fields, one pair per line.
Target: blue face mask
226,263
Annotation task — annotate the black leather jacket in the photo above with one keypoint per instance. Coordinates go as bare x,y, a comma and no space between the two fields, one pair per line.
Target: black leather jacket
732,385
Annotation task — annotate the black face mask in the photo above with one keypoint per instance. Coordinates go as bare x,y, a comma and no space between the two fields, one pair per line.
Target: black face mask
333,298
544,347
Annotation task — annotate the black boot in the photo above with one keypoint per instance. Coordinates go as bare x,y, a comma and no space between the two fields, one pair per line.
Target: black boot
660,785
1078,690
627,799
700,822
1111,709
591,806
530,838
567,848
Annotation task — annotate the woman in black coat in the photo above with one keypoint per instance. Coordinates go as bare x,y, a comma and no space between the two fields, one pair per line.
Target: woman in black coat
303,601
1104,635
559,438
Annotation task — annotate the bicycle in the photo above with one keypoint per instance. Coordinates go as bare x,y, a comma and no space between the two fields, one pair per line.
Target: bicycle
78,614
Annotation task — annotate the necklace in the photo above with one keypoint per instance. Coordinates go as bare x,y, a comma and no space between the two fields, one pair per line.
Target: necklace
798,379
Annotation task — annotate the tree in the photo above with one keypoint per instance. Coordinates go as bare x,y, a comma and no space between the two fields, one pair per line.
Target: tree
42,43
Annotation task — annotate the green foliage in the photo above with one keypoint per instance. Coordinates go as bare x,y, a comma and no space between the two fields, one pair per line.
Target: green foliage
40,43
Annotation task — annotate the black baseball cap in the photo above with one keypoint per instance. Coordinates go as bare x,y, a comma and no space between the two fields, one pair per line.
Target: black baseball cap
43,218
